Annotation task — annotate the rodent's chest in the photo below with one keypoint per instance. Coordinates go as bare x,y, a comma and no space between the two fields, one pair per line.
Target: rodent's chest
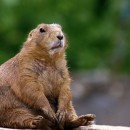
51,76
51,80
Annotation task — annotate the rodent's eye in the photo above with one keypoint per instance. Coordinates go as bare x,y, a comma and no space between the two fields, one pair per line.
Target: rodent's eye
42,30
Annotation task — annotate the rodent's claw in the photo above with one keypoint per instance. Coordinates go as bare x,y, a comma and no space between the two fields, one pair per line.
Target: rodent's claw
90,117
61,115
49,114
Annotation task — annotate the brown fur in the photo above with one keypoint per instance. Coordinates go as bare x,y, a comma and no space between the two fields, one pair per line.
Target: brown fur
35,84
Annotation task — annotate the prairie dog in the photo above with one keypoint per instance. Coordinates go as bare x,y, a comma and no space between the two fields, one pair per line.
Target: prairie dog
35,84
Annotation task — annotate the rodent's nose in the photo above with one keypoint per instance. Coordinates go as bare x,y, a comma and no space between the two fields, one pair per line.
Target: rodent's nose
60,37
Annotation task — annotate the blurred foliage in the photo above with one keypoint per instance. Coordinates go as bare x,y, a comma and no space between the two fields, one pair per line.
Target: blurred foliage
97,30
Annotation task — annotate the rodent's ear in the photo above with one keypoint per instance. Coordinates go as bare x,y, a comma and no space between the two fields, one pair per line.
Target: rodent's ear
30,35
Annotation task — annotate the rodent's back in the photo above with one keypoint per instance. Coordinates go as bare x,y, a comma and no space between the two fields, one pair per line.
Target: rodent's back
8,77
9,71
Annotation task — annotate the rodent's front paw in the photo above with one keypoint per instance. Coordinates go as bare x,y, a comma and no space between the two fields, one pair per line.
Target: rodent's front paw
61,115
49,114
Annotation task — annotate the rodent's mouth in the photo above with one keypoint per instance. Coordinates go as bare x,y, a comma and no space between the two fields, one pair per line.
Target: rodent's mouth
58,44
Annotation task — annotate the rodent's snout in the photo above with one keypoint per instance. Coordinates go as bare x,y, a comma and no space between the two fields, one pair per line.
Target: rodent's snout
60,37
59,43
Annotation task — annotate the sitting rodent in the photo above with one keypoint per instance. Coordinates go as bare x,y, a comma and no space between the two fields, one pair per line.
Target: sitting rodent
35,84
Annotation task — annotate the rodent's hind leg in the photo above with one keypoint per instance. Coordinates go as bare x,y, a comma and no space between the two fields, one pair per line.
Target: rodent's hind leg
20,118
33,122
83,120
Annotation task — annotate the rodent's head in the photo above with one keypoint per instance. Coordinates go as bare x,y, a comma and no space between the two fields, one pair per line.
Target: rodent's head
48,37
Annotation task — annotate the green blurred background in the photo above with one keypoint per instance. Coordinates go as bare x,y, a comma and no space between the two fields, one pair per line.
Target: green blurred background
97,30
